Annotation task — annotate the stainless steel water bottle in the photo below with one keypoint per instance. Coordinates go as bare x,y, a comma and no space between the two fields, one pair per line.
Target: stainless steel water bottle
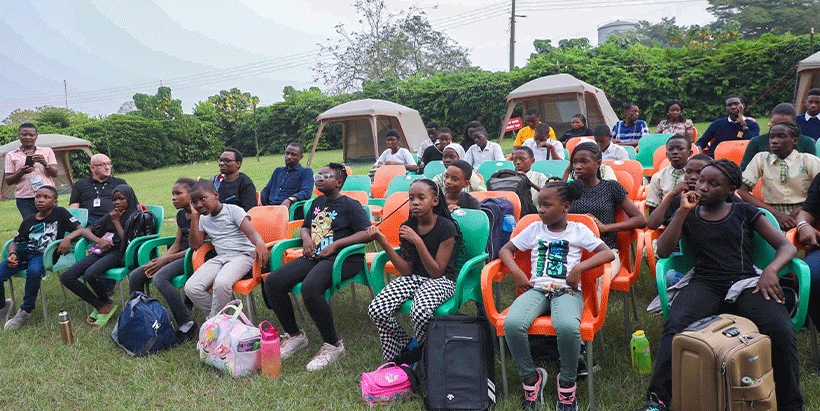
64,323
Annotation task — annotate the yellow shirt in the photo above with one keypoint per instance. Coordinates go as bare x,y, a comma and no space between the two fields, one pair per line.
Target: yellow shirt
527,133
792,186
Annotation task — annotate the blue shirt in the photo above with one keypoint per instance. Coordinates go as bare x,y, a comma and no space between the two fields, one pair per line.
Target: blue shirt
628,134
809,125
288,182
724,129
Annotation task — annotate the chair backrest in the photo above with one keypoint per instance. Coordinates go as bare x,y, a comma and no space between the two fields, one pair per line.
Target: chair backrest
356,183
434,168
732,150
81,214
258,198
509,195
381,180
551,168
647,146
631,151
401,184
475,230
817,146
487,168
658,157
359,196
396,210
270,222
572,142
159,213
625,179
633,167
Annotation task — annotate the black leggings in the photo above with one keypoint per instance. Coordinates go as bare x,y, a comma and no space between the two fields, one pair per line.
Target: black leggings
316,278
92,268
701,299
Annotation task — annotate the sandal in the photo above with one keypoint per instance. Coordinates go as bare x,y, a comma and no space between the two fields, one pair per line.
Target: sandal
102,319
93,317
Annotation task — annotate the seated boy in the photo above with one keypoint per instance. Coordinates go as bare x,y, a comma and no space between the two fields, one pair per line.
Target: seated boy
523,159
483,150
785,175
454,152
532,119
609,151
663,213
434,152
456,179
395,155
542,146
50,223
678,150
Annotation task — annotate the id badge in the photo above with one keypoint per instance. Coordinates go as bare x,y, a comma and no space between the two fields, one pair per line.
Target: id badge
36,182
740,134
96,202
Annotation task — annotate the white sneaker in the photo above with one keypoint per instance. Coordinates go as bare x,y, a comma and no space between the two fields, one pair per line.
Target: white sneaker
18,321
4,312
289,344
326,355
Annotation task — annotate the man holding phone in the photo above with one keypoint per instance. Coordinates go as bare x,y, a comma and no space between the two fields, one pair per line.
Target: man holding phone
734,127
28,168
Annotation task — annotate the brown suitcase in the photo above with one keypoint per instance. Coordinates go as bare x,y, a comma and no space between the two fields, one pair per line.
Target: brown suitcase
710,359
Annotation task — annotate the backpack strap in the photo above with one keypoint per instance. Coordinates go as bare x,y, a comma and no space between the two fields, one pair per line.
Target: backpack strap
151,341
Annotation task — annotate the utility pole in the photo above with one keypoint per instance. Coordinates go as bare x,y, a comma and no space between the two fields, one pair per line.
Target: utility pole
512,36
65,90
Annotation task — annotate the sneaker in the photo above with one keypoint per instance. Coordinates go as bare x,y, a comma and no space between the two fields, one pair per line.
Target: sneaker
566,397
653,404
534,394
326,355
4,312
292,343
18,321
583,370
187,332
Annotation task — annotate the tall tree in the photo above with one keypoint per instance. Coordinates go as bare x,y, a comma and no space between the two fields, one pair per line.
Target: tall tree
389,45
757,17
158,106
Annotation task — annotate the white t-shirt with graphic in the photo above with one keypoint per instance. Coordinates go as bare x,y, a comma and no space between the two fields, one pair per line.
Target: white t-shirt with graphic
555,253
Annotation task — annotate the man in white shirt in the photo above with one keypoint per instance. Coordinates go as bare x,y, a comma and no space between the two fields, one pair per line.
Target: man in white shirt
609,151
483,150
542,146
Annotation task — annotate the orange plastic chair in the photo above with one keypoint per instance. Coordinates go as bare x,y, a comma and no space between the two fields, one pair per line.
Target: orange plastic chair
382,178
635,169
593,314
258,199
630,267
626,180
396,211
509,195
732,150
571,143
270,222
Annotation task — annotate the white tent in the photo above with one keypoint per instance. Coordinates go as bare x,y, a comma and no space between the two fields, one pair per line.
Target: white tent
365,123
559,97
62,145
808,77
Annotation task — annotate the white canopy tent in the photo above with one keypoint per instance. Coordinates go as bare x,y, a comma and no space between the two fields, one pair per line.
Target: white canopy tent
808,77
559,97
364,125
62,145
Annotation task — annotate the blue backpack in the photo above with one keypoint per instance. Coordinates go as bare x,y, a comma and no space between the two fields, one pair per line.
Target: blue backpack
144,327
501,214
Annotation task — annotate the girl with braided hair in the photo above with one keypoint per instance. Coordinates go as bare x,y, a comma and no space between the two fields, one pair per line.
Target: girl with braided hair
724,279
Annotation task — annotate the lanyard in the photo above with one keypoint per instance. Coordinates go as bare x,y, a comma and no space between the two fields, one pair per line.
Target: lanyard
105,184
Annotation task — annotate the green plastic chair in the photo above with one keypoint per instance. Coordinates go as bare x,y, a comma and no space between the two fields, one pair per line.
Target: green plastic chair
401,184
434,168
762,254
488,168
130,256
64,261
647,146
551,168
148,250
631,151
817,146
475,229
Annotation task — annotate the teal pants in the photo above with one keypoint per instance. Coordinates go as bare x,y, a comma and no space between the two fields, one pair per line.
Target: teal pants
565,311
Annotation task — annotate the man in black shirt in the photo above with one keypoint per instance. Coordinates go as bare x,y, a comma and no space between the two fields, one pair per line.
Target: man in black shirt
94,193
234,187
434,152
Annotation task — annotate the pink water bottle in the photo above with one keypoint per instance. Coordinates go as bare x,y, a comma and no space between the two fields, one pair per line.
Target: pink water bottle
269,350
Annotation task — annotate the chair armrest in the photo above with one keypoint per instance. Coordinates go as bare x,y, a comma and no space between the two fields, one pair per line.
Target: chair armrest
376,277
468,282
377,201
341,257
606,276
130,255
295,206
492,272
144,252
801,271
677,262
81,249
278,251
198,257
48,254
188,263
6,249
292,225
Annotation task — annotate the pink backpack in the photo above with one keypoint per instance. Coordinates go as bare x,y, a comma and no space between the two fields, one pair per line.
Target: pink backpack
388,383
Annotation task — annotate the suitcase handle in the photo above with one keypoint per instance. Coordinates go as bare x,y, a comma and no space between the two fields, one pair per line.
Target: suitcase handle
715,321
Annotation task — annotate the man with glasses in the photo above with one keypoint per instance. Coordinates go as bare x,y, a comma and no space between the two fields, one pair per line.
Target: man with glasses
94,193
234,187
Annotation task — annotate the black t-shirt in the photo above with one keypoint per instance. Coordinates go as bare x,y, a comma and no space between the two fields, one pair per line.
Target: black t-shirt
239,191
812,203
722,250
600,201
35,234
334,220
468,201
584,131
184,225
86,190
431,154
675,205
443,230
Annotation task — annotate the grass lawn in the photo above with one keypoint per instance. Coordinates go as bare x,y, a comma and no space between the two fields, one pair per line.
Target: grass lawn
40,373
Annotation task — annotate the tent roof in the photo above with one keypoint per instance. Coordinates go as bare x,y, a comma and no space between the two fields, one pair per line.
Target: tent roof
809,62
554,84
366,107
55,141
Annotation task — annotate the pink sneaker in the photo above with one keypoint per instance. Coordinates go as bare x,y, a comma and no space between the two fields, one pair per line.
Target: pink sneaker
566,397
534,394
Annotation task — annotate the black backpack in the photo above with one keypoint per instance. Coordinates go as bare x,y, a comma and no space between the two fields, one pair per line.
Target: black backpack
502,222
139,224
459,363
511,180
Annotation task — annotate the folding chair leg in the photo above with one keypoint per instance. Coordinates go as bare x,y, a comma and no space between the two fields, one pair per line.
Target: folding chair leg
634,304
599,336
122,291
65,296
813,331
372,293
11,288
590,380
295,302
251,308
502,348
353,293
43,297
626,317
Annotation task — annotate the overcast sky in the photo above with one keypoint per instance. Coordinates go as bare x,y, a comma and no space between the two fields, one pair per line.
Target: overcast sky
107,51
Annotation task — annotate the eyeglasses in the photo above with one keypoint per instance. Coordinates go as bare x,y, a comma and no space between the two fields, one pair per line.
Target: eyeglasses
226,160
323,176
109,164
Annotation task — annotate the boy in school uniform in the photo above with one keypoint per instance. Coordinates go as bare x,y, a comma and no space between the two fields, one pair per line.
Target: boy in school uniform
533,119
785,175
523,159
483,150
678,151
809,122
543,147
609,151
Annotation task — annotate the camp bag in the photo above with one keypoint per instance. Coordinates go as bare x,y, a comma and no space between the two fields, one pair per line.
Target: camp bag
388,383
144,327
139,224
511,180
459,363
500,212
229,342
722,363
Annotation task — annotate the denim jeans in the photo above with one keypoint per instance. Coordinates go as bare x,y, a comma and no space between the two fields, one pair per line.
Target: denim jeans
26,207
34,276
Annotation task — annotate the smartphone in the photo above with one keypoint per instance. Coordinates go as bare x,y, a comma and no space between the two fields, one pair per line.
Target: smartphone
29,161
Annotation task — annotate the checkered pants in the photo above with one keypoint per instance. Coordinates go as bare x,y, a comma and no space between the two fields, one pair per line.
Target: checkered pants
427,294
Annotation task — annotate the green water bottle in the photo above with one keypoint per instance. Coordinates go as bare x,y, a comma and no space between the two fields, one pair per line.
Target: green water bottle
641,358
